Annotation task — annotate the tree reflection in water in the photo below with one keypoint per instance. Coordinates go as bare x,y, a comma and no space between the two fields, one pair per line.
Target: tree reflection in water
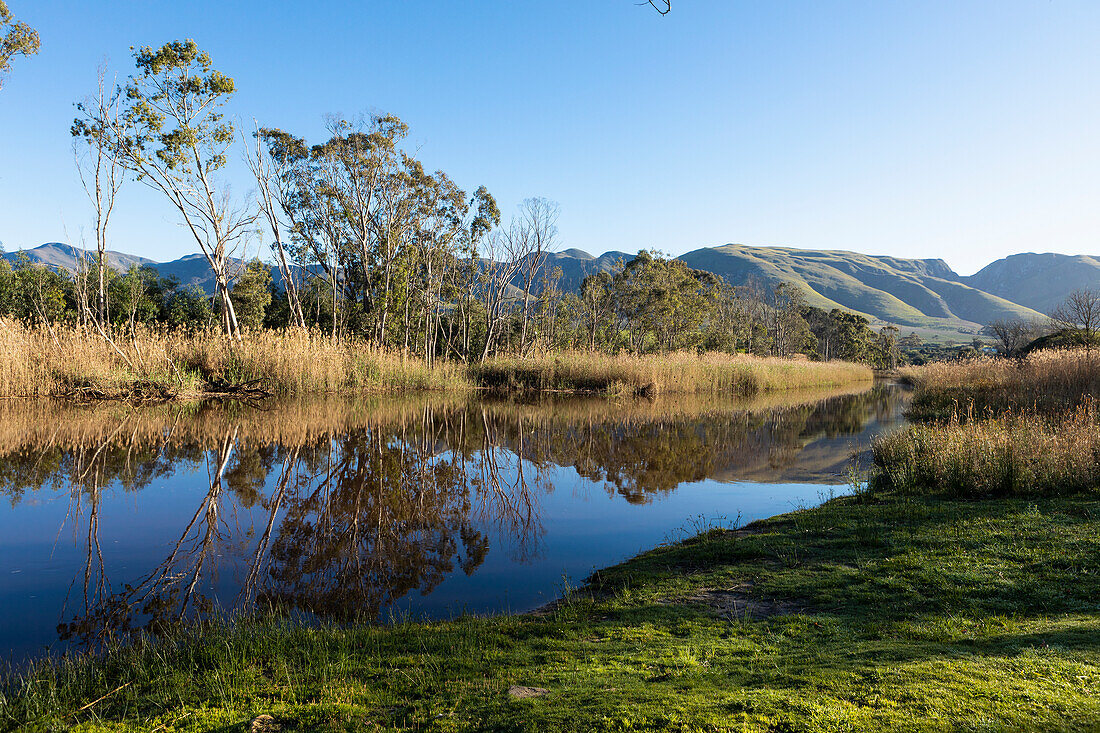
339,510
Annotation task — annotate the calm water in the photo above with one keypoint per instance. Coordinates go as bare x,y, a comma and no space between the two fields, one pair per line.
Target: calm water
119,518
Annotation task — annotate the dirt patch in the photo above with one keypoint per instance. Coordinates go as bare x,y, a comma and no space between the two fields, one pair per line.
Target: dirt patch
551,607
522,693
747,531
739,602
264,724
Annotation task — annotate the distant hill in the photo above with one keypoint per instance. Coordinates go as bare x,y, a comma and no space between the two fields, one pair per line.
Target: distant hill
189,269
1039,281
924,296
907,293
66,256
577,264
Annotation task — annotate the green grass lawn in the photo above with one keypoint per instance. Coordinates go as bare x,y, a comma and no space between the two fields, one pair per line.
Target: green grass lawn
867,613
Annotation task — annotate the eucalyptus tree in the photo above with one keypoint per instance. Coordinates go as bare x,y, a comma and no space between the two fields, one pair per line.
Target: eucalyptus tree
505,251
272,167
538,219
399,247
665,303
465,277
172,134
367,183
303,179
95,149
439,228
597,304
888,346
788,329
16,39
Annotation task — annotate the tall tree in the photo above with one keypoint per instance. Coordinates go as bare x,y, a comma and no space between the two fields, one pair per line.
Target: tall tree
538,221
16,39
173,136
465,277
504,252
97,162
368,185
275,182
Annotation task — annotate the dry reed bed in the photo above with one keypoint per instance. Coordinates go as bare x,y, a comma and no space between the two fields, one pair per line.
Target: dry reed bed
680,373
998,427
38,362
69,361
1013,455
1049,382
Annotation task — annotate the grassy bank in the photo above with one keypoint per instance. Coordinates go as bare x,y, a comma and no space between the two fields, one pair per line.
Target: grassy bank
69,362
910,613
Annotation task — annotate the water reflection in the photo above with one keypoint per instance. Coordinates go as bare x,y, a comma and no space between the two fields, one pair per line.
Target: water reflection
343,509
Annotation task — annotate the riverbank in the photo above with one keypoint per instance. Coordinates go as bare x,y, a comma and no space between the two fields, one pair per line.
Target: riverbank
75,364
872,612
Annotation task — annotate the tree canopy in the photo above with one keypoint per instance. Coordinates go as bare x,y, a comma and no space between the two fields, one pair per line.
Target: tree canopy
16,39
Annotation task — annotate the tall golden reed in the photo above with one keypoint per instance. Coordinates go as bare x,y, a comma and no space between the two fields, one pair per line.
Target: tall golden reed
998,427
1048,382
681,373
73,362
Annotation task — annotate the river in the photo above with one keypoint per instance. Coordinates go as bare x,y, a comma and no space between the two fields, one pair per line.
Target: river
120,518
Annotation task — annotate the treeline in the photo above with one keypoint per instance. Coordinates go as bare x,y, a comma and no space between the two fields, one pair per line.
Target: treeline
653,304
649,305
40,296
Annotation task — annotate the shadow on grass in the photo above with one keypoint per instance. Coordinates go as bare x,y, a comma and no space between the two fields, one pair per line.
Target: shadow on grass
894,560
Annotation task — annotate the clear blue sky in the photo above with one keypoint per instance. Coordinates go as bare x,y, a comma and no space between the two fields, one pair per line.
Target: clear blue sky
920,128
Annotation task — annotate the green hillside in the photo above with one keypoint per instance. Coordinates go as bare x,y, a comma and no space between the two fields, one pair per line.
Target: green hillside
1039,281
921,295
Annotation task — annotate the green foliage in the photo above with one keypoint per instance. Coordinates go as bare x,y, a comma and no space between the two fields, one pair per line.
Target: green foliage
7,288
16,39
661,304
185,308
134,297
38,295
173,113
252,295
34,294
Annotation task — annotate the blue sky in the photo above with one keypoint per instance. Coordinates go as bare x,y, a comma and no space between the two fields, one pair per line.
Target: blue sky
954,129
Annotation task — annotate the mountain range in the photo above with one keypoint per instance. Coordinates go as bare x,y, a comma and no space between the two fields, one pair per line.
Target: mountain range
924,296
